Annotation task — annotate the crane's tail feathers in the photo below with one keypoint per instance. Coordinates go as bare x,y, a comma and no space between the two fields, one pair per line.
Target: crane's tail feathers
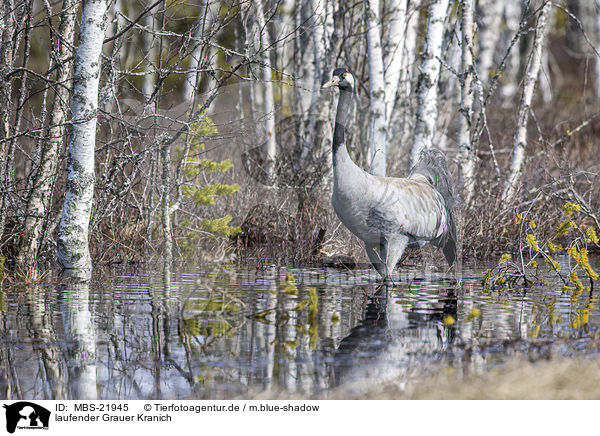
432,165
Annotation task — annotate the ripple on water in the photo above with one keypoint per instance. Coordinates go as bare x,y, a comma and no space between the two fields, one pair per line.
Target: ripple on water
216,332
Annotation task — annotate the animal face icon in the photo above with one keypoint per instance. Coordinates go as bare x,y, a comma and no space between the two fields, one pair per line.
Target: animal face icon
26,414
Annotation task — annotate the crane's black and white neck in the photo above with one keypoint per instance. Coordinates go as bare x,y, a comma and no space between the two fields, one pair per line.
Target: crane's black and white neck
386,213
345,82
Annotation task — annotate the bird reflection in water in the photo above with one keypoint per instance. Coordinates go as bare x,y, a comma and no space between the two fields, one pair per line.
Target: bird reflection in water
379,345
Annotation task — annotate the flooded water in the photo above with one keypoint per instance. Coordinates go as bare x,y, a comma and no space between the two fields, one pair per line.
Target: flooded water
229,332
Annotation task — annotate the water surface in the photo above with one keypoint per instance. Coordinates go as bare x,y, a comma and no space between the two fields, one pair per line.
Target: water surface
230,332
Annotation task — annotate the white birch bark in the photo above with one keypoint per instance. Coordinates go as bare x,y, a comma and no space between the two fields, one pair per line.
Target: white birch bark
191,78
427,93
410,47
318,50
490,18
545,82
512,18
7,59
466,157
520,139
43,181
285,50
109,91
394,55
44,332
118,8
203,25
151,50
377,106
597,42
316,118
303,56
544,79
265,42
407,74
79,327
167,208
73,249
448,86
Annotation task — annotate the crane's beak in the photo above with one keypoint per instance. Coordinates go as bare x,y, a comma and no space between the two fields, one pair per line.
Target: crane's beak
335,81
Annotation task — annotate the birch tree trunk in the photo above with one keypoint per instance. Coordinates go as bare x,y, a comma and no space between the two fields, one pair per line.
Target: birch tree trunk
191,78
597,41
407,75
203,24
544,79
512,19
520,139
118,8
80,329
44,332
152,51
394,62
377,109
73,248
448,85
269,103
466,157
167,209
316,118
302,58
545,82
11,19
395,54
40,196
490,13
427,93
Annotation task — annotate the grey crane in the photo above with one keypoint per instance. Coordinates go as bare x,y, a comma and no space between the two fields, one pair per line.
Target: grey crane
389,214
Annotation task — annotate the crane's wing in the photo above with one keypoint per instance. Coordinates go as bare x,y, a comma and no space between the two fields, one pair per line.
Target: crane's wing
409,207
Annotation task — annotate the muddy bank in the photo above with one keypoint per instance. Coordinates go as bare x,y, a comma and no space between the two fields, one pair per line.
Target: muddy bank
561,379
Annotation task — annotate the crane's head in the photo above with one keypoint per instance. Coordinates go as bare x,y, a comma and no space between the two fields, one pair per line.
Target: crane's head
342,79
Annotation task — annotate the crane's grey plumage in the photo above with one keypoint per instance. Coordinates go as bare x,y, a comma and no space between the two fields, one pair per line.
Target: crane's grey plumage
389,214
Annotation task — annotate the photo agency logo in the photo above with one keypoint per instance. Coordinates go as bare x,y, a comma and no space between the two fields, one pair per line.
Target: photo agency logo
26,415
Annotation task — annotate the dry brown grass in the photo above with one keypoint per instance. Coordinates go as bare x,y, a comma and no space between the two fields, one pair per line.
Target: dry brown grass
576,379
562,379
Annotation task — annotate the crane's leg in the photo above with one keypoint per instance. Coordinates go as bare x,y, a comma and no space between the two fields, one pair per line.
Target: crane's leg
395,248
377,255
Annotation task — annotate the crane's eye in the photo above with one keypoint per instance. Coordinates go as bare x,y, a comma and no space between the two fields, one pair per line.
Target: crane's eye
344,75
